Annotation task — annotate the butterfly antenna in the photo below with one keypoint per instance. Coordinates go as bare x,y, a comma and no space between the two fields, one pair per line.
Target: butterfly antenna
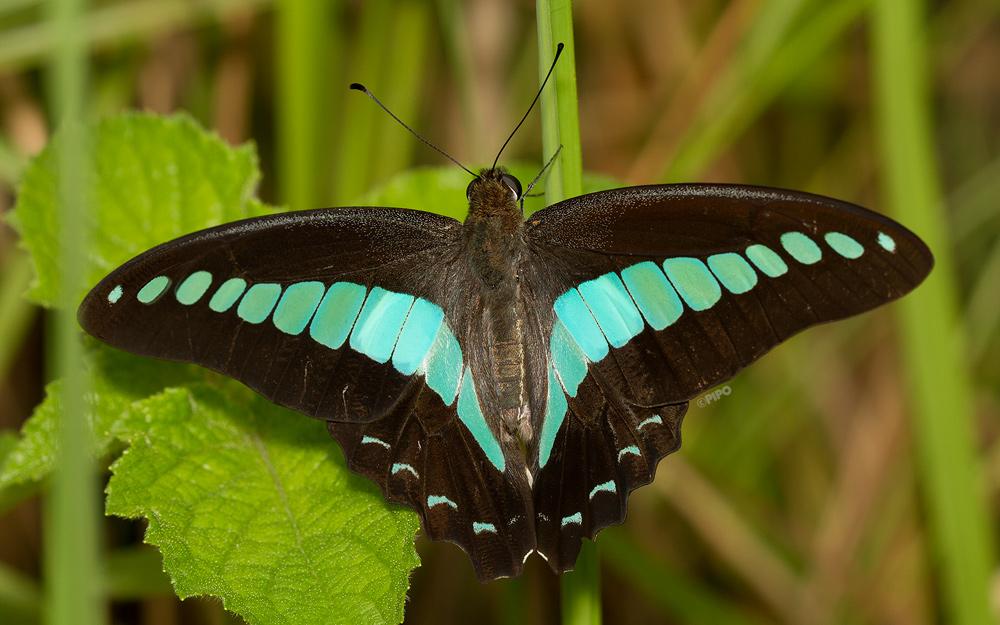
359,87
559,49
545,168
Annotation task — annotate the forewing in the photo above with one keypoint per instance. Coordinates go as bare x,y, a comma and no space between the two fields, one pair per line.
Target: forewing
273,302
688,284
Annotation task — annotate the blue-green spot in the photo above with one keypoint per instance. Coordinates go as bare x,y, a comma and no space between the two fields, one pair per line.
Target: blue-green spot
555,412
575,315
656,299
399,467
481,528
767,260
733,272
612,307
227,294
471,414
844,245
444,365
567,357
297,306
693,281
379,323
440,500
650,421
630,450
887,242
193,287
606,487
417,336
801,247
573,519
115,294
335,316
258,303
153,289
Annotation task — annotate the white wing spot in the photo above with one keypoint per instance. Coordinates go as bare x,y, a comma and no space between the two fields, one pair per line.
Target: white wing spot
654,419
371,440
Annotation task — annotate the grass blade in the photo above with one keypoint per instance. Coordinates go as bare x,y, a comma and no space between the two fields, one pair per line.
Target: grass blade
940,393
405,77
353,169
301,26
560,113
720,124
115,24
71,515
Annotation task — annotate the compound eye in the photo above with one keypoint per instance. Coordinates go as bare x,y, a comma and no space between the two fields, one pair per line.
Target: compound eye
468,189
513,184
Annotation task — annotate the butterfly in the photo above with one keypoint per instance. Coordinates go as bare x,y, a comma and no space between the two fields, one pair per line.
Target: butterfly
512,380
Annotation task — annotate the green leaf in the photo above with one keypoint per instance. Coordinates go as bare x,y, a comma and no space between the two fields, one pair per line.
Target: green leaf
252,503
265,514
11,494
8,441
120,382
153,179
34,456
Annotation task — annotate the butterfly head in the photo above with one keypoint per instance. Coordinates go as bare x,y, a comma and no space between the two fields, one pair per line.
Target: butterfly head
494,190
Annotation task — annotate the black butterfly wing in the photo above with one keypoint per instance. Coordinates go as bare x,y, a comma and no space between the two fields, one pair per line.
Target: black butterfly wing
422,456
241,299
345,315
473,456
654,294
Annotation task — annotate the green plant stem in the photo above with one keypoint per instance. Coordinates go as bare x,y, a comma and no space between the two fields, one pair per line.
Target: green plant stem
405,77
560,114
300,30
71,515
933,346
581,589
353,167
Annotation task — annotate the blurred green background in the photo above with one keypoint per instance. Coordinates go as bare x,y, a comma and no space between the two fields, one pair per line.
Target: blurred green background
850,477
